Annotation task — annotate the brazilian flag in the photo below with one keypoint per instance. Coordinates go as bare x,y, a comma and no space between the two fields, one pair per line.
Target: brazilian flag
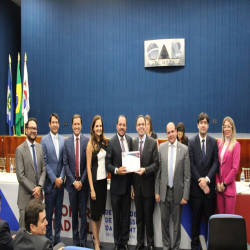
19,93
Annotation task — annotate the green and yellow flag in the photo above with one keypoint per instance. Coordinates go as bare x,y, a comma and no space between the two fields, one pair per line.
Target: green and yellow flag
19,92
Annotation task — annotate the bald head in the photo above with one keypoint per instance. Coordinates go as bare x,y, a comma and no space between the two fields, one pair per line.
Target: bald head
171,132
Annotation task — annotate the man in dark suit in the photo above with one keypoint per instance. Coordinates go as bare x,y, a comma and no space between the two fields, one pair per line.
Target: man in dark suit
144,183
203,153
53,144
120,183
74,161
32,236
6,241
172,185
30,169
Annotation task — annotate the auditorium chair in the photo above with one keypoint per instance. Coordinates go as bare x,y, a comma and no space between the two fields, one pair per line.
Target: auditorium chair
77,248
225,232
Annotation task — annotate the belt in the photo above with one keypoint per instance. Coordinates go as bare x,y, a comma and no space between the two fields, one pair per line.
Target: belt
170,187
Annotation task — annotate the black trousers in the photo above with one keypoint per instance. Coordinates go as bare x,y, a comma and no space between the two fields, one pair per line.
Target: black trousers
121,217
144,216
200,205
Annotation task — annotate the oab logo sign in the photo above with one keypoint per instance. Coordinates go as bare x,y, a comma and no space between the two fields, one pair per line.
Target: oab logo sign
164,52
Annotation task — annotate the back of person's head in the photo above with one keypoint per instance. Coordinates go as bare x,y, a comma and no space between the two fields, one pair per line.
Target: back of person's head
32,211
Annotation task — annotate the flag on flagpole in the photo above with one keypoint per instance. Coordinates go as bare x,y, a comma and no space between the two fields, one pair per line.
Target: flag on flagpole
19,117
10,106
26,102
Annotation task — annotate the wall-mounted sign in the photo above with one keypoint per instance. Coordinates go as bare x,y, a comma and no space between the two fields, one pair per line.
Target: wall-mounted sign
164,52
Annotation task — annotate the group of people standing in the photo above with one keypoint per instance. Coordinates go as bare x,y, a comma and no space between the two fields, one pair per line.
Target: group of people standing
170,174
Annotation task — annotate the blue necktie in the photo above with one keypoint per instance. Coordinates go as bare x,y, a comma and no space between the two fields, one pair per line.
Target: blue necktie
34,159
203,150
170,178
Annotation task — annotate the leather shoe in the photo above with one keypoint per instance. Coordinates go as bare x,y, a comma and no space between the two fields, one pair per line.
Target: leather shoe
151,248
139,247
125,247
117,247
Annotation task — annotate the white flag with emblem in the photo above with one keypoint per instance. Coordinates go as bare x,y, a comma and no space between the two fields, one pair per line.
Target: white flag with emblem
26,102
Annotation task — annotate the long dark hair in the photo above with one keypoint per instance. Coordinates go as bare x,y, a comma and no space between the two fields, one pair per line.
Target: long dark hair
180,127
93,139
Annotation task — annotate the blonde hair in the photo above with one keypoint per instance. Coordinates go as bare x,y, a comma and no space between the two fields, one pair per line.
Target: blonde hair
233,137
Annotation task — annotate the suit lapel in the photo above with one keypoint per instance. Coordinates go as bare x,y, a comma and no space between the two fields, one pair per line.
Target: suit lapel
177,156
29,155
61,144
52,145
118,145
145,147
198,147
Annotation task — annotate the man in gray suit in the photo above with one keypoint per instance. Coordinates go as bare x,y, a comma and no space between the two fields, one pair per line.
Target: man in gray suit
144,183
30,170
172,185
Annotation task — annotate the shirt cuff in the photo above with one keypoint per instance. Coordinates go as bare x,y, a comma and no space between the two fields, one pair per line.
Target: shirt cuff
207,180
116,171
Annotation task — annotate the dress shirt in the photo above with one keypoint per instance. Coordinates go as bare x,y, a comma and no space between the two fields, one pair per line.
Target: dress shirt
79,152
205,146
143,139
204,142
174,156
31,150
124,142
55,137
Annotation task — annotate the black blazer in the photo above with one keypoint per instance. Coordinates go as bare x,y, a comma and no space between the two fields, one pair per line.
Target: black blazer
6,241
202,169
119,183
149,161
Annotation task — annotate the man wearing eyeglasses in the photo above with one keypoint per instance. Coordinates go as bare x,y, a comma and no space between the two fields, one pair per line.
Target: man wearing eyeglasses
30,170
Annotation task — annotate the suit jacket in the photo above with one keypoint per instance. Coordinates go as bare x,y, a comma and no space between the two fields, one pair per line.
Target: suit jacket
149,161
27,241
181,182
119,183
6,241
229,168
54,166
69,162
200,168
26,173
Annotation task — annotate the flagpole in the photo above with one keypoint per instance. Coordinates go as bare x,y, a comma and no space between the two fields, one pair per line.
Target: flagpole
25,60
11,87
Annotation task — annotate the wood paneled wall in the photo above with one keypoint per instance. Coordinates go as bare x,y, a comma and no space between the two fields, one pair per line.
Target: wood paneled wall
10,143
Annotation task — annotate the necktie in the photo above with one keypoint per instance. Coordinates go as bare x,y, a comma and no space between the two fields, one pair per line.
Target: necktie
123,148
56,147
203,150
170,178
77,158
34,159
141,148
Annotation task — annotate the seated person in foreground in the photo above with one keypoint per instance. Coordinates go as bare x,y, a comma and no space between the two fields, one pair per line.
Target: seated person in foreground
6,241
32,237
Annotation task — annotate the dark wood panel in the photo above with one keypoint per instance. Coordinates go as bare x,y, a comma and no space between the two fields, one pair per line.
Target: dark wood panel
10,143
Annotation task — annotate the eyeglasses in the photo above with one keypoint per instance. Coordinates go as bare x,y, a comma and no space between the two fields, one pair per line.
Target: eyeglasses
32,128
227,127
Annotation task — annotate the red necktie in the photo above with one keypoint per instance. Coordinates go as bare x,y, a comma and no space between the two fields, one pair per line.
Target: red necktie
77,158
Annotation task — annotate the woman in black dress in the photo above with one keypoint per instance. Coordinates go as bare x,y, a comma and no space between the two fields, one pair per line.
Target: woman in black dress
97,175
181,137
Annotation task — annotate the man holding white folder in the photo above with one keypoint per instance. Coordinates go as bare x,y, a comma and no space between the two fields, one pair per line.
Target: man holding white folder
144,183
